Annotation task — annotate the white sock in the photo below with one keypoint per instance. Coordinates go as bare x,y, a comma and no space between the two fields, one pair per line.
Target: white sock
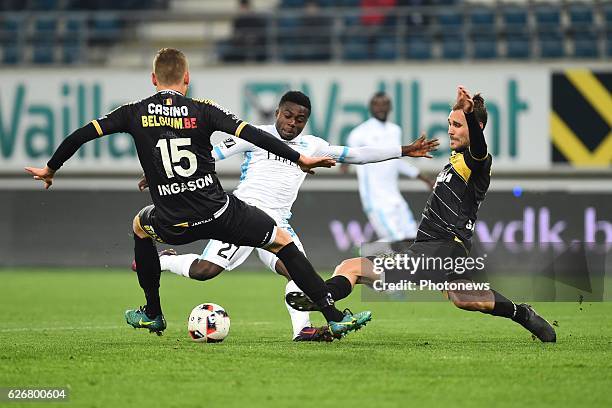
299,320
178,264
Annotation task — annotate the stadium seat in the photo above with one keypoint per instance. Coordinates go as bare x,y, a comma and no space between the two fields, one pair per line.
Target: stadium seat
518,46
580,15
106,29
385,47
549,32
355,48
551,44
453,47
514,18
448,21
71,41
609,43
418,46
607,11
287,33
11,54
9,39
585,44
450,27
43,40
483,33
547,15
44,5
582,30
292,3
485,46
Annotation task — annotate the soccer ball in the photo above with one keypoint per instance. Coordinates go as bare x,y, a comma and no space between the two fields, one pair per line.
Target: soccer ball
208,323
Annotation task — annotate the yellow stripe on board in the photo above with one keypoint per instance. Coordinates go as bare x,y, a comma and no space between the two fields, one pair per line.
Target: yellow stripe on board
593,91
573,149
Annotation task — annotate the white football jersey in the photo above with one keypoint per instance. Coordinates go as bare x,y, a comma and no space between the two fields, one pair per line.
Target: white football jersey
271,183
378,182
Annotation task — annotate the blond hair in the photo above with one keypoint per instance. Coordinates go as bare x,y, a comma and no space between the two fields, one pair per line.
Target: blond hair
170,66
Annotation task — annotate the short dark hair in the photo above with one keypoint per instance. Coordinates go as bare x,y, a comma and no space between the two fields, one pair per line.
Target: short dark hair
480,109
379,94
296,97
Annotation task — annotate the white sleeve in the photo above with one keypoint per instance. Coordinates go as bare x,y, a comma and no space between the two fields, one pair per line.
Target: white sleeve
360,155
407,169
229,147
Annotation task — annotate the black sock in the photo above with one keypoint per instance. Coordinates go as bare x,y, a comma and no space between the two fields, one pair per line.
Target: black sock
149,271
304,275
506,308
339,287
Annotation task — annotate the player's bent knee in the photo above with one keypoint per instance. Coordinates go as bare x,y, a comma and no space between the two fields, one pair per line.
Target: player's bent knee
204,270
281,239
137,228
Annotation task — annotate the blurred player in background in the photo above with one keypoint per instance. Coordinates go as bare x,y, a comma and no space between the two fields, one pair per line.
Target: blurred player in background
172,137
447,226
388,212
272,183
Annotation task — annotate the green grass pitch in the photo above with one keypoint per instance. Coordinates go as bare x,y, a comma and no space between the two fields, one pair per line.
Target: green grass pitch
66,328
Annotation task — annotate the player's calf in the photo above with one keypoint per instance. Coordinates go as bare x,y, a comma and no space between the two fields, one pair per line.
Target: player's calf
494,303
203,270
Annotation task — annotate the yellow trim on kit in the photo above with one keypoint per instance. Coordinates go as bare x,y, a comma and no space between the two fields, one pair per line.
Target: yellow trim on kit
458,162
240,127
182,224
98,128
476,158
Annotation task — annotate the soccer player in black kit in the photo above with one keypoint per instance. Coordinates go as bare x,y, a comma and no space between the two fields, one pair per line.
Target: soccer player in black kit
172,137
447,226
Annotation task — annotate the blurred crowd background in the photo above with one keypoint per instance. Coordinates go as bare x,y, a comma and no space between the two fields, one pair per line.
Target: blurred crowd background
122,31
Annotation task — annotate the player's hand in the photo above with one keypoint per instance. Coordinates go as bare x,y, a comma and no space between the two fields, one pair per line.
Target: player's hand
45,174
143,184
307,163
421,147
464,99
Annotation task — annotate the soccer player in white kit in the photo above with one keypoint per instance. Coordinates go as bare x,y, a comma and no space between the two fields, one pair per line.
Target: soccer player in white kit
272,183
388,212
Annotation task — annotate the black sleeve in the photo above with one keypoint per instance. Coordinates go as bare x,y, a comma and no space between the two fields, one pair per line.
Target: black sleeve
225,121
478,145
268,142
71,144
114,122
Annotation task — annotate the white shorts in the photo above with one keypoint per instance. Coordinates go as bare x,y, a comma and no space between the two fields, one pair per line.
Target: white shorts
393,223
230,256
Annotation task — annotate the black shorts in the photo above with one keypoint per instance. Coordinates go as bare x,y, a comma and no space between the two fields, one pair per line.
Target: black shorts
239,224
438,261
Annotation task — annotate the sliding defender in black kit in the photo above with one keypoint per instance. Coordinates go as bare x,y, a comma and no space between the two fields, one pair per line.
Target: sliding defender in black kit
172,137
445,232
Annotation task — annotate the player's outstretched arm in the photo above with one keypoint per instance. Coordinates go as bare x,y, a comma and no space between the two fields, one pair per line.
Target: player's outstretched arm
374,154
421,147
227,122
64,152
230,147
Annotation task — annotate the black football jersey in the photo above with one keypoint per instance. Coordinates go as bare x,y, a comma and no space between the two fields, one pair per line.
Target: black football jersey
172,137
452,207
